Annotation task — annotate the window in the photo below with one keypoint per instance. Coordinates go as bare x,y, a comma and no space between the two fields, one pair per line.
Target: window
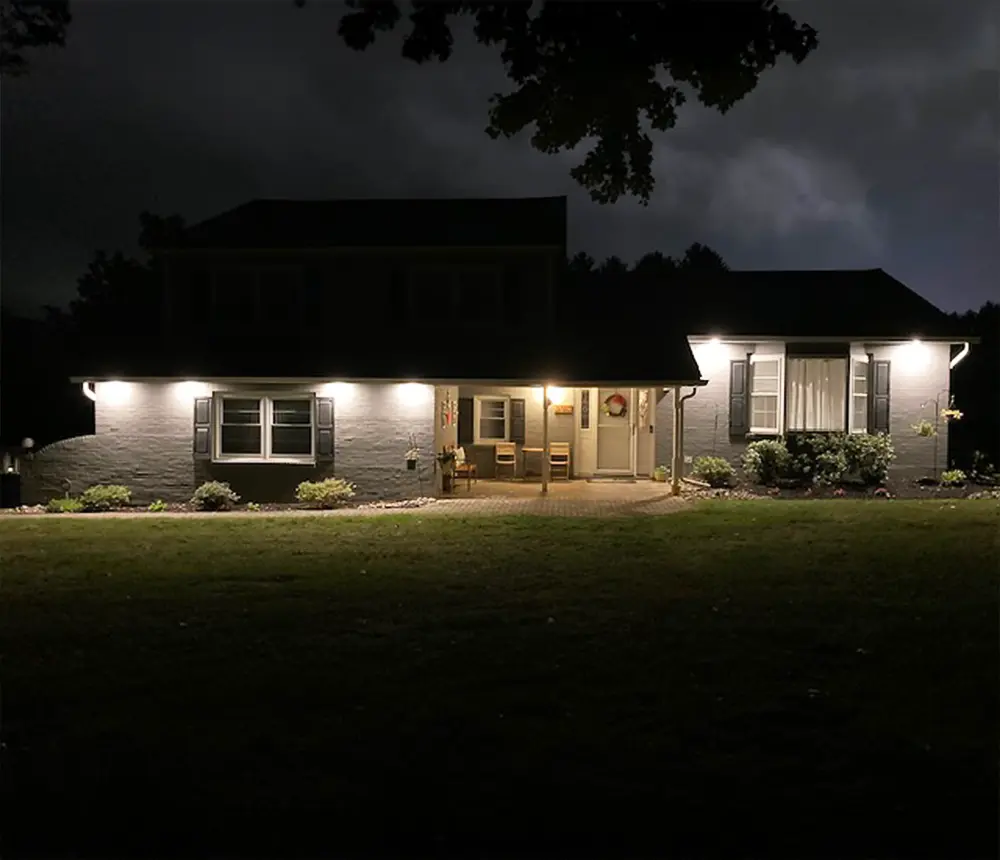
432,294
817,391
492,419
859,395
765,393
263,429
478,295
280,294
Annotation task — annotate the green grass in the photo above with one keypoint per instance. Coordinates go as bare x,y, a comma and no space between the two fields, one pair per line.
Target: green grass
751,679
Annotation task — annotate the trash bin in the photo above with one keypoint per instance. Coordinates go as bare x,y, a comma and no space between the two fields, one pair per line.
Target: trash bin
10,490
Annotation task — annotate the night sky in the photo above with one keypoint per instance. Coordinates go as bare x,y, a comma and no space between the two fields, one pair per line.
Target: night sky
880,150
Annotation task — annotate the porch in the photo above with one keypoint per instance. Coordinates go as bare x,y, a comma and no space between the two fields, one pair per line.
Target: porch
543,437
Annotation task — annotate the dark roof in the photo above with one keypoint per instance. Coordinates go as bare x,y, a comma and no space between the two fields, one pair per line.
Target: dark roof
375,223
862,304
539,357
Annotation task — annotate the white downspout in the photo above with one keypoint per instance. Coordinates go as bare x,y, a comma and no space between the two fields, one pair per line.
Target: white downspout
545,438
677,466
965,351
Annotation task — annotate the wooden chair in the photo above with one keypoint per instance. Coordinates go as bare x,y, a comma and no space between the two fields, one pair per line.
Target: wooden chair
506,455
559,457
465,469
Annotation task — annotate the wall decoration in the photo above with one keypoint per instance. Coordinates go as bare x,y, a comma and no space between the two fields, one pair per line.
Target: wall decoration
585,409
615,405
563,409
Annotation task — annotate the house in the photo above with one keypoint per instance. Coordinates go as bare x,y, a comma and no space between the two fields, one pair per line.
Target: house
305,339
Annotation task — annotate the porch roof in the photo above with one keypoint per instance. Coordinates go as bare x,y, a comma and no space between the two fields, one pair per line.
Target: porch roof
643,356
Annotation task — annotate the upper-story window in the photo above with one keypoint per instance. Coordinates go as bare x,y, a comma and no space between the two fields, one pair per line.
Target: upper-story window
235,295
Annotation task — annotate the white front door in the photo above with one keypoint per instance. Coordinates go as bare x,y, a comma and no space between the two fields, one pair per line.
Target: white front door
615,439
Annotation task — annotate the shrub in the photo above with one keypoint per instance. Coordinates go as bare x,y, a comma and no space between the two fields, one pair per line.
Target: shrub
64,506
982,471
214,496
253,506
105,497
715,471
158,506
831,467
953,478
324,494
766,460
869,456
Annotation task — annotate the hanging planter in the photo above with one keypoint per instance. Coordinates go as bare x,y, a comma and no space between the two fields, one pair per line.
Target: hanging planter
411,459
616,406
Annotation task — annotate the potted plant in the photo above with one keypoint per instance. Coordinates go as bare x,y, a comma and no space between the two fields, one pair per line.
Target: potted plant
411,458
446,460
660,473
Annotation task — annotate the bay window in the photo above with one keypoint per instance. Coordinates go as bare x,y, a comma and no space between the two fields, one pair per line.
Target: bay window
265,429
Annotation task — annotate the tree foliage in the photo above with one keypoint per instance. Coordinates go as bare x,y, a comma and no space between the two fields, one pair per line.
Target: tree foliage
601,73
27,24
117,294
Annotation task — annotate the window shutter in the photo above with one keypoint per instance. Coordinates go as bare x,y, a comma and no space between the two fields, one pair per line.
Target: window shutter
324,428
517,420
466,419
739,397
203,428
879,410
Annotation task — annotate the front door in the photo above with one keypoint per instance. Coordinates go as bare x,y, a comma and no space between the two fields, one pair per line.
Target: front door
615,449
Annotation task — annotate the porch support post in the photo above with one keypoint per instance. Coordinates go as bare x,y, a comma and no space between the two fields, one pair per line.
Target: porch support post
545,438
677,462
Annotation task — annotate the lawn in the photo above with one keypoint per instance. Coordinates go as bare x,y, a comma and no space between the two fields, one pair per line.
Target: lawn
740,679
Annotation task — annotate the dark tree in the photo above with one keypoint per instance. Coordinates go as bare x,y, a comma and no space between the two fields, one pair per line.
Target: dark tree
612,266
701,258
118,298
27,24
581,264
611,72
976,388
655,263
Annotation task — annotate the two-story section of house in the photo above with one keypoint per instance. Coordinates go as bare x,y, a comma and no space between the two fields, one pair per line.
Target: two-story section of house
307,339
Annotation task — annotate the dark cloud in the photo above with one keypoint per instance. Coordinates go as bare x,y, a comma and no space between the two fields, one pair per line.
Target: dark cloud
881,149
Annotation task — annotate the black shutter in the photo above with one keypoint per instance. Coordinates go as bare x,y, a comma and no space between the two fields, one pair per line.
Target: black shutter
466,417
324,428
203,428
739,397
879,397
517,420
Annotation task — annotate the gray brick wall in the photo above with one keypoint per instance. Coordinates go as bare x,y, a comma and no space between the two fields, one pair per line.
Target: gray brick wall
144,440
918,374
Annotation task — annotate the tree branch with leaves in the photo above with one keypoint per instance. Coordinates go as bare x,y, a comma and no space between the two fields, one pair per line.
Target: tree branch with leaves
604,74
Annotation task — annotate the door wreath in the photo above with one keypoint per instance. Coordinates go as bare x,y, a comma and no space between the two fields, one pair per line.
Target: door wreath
616,406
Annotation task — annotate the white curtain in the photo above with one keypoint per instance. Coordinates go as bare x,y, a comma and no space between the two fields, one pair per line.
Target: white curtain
817,393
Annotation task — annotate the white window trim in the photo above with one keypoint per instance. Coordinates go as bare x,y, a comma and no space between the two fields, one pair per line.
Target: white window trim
769,431
853,395
266,412
478,411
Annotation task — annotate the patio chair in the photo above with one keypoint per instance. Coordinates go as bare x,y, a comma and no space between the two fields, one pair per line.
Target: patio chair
506,455
559,457
465,469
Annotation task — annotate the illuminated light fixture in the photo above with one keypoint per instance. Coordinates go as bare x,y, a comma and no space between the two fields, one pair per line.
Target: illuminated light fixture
114,392
915,353
189,389
342,390
965,351
88,389
710,355
412,393
557,395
